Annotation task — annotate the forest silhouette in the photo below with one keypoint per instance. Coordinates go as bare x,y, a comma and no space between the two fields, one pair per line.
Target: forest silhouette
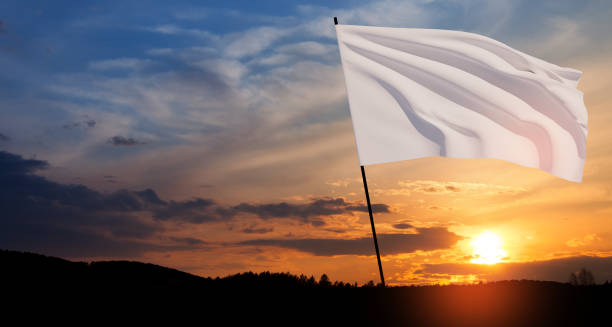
107,289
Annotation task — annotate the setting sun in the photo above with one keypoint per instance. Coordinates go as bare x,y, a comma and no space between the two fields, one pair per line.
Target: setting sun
487,249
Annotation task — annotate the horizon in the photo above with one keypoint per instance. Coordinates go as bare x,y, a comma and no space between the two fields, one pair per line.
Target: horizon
323,276
217,139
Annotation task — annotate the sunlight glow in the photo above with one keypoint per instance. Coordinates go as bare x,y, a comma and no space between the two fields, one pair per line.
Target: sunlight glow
487,249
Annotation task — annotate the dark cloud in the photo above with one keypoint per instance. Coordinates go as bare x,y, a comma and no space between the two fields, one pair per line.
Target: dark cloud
308,212
89,123
4,137
337,230
11,165
150,196
553,270
43,216
253,230
71,125
402,226
69,220
452,188
119,140
110,179
188,240
426,239
195,211
201,210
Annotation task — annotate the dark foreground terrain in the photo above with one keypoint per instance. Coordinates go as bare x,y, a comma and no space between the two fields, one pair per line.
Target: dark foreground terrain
55,290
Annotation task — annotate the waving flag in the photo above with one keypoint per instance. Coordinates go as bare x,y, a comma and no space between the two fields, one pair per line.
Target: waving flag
422,92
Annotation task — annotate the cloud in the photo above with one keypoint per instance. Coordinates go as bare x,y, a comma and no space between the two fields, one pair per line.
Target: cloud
402,226
254,40
125,212
553,270
171,29
74,220
14,165
110,179
308,212
67,220
200,210
196,211
296,52
88,123
252,230
4,137
425,239
231,71
586,240
120,63
189,240
119,140
343,182
439,187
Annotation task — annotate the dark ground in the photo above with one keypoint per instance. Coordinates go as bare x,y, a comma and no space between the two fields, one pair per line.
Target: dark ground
36,287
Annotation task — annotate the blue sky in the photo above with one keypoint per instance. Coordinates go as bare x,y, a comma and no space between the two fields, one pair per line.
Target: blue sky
237,101
66,54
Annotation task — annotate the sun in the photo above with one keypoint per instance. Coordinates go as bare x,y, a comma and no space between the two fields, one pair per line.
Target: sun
487,249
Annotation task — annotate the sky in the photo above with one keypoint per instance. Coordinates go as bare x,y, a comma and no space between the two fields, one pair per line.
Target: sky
215,138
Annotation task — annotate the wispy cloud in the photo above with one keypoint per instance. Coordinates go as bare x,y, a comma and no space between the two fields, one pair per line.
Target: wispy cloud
253,41
171,29
119,140
583,241
120,63
446,188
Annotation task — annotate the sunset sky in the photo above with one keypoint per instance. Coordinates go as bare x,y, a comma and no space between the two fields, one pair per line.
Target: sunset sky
215,138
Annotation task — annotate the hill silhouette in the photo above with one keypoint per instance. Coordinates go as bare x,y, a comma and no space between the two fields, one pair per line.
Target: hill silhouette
108,289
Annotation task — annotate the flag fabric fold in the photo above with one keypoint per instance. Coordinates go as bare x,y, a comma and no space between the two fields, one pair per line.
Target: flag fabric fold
416,93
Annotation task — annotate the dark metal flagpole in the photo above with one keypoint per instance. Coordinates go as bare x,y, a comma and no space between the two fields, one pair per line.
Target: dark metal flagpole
365,187
367,194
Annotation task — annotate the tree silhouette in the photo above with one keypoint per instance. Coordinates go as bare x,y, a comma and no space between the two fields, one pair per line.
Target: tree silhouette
584,277
369,284
249,294
573,279
324,281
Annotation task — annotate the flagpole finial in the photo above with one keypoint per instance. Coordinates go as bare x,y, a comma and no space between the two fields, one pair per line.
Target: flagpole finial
335,20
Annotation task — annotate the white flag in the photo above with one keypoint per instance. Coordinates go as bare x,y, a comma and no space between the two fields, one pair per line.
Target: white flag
423,92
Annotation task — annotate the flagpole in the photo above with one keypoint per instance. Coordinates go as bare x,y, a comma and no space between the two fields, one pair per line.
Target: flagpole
367,194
